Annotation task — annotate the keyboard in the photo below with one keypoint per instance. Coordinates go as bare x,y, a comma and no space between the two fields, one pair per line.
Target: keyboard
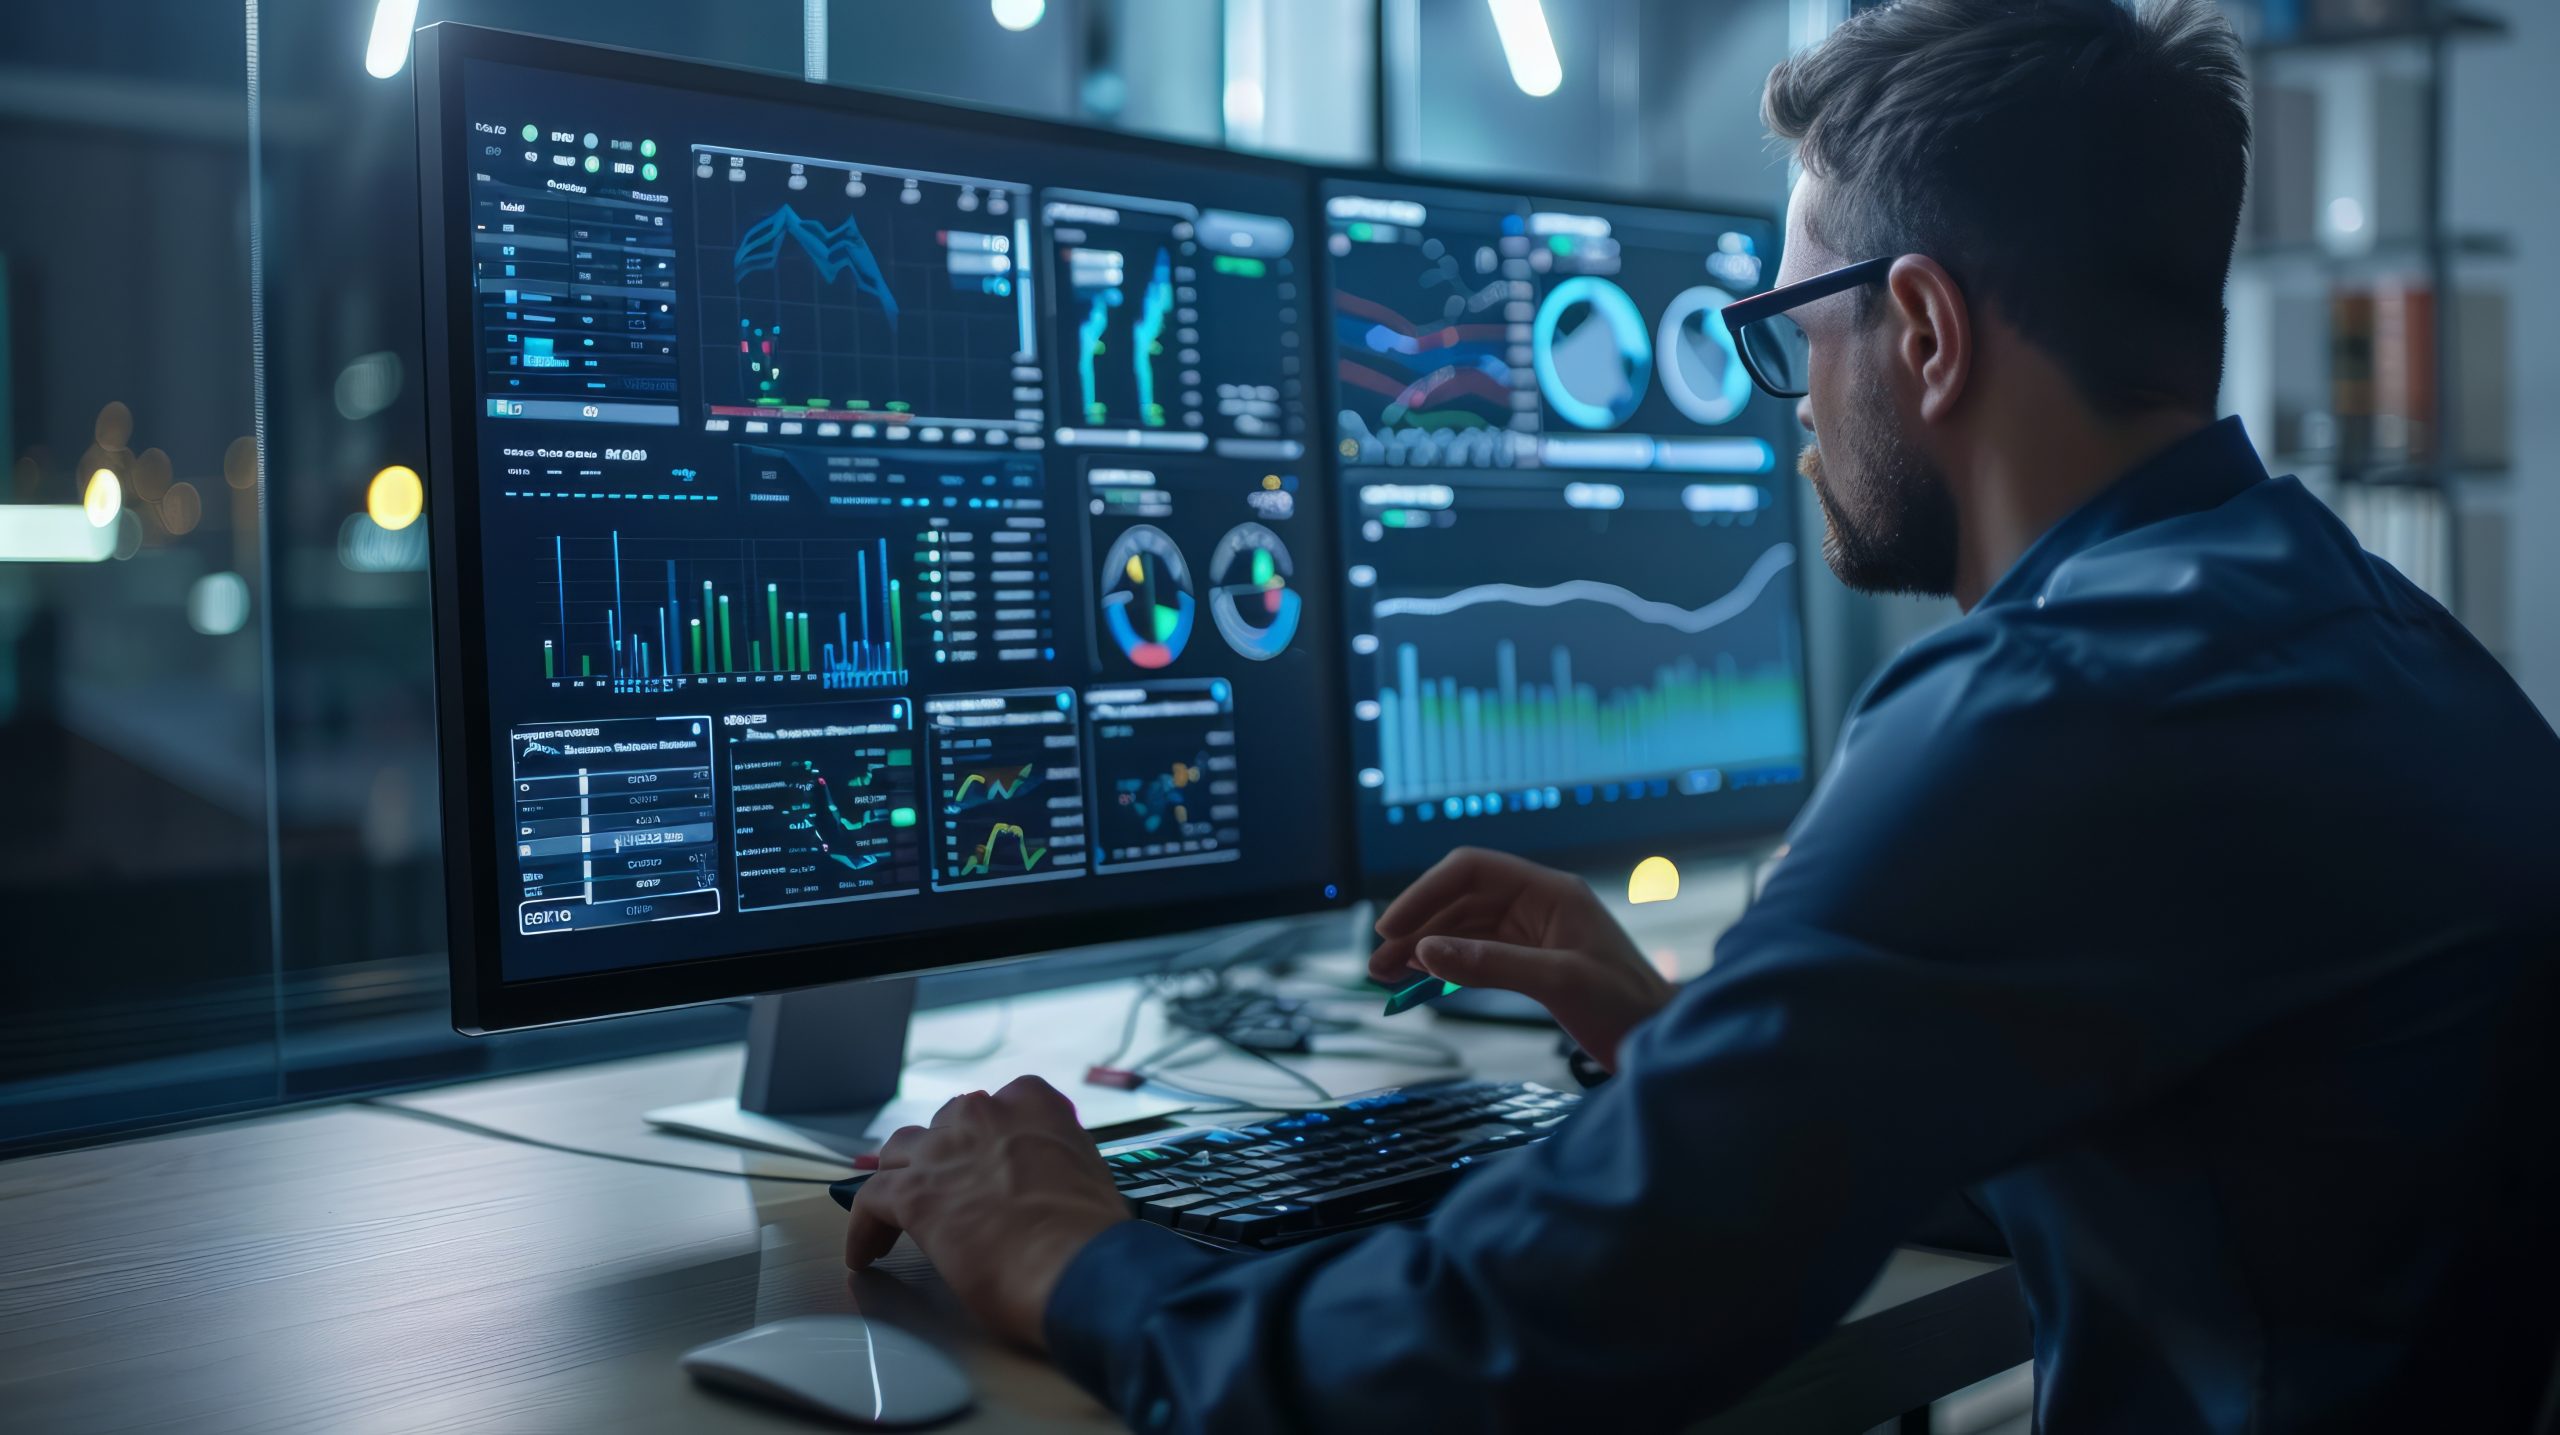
1386,1156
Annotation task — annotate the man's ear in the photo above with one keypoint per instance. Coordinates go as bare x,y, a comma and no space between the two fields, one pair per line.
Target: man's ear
1935,343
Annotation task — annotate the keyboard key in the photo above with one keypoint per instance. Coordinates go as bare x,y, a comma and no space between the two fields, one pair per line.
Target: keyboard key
1334,1207
1149,1193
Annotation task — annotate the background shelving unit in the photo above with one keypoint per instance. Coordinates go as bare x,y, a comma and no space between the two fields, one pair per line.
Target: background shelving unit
2348,216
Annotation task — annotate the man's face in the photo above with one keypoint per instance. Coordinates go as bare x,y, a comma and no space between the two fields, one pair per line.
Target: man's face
1889,523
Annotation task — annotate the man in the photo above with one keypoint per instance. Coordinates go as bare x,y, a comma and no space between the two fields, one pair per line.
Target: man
2192,902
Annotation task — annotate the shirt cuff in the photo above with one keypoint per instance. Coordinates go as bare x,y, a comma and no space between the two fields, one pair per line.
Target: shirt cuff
1105,1297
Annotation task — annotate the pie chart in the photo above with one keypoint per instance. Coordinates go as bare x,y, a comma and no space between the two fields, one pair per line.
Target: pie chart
1593,352
1249,594
1146,597
1701,373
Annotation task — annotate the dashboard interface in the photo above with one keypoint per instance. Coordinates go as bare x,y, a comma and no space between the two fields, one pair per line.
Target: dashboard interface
1567,523
884,526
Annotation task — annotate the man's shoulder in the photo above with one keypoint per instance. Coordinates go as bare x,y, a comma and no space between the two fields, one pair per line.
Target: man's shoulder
2148,614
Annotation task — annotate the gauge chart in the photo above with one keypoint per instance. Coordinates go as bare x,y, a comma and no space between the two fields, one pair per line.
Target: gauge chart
1147,602
1593,352
1249,594
1701,373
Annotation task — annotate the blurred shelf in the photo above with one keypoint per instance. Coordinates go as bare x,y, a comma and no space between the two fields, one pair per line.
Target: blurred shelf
2459,25
2382,475
2402,249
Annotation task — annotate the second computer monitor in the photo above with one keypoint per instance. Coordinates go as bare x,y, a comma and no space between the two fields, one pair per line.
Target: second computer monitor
1571,551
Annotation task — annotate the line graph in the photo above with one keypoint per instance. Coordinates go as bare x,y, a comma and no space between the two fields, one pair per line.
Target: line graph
1008,787
1431,347
822,804
1771,562
983,858
835,291
1127,312
986,787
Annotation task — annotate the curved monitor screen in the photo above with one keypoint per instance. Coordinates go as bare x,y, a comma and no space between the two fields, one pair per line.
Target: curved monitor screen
882,526
1573,623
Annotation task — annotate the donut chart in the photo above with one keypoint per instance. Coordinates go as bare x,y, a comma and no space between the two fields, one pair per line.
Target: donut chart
1147,605
1702,374
1249,594
1593,352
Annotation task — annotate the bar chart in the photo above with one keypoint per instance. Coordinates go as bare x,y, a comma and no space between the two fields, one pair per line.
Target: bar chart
635,614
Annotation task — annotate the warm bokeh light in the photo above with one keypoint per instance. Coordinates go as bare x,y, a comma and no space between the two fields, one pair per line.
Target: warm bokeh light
115,425
395,497
1654,880
240,462
181,508
104,497
149,476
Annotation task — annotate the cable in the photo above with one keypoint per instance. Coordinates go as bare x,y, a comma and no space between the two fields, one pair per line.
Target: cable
1276,1064
474,1128
985,1049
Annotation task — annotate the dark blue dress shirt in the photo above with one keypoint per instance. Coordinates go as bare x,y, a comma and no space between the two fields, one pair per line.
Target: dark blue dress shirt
2192,903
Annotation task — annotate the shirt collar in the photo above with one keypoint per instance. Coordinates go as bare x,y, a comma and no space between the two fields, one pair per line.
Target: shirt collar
2204,470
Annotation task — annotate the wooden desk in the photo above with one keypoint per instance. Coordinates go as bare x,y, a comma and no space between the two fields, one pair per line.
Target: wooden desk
355,1268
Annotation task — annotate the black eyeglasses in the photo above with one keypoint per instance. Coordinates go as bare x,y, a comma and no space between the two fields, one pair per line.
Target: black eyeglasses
1772,344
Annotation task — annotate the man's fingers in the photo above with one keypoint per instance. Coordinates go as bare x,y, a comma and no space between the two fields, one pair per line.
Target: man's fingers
1533,972
1030,1093
1449,879
963,1107
1471,880
895,1152
876,1219
1392,963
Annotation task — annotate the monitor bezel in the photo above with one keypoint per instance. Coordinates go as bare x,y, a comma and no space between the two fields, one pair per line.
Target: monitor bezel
1759,827
483,1000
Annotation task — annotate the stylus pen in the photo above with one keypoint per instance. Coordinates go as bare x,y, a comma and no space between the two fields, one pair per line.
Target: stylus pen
1429,989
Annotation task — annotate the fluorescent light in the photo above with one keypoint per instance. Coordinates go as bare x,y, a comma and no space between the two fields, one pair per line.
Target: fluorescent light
388,51
1528,45
52,533
104,498
1019,14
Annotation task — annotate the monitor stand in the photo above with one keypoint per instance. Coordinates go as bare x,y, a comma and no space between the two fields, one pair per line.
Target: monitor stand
822,1073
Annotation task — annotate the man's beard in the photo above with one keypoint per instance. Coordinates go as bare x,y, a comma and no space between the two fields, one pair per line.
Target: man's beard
1892,526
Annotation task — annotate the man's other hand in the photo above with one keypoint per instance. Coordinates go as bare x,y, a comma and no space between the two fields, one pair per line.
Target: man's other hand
1000,1193
1488,919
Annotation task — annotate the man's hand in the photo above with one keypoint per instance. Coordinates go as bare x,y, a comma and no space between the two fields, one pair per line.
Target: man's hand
1487,919
1000,1193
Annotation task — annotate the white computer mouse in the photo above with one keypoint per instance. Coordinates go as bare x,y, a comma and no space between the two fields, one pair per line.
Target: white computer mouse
842,1366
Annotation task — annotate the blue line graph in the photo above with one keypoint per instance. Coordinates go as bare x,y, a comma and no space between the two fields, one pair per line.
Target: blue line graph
1147,338
1089,344
834,252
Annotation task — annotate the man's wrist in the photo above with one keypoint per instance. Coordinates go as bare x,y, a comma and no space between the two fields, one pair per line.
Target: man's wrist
1048,1247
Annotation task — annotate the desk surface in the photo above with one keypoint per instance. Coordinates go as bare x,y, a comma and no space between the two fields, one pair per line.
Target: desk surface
355,1267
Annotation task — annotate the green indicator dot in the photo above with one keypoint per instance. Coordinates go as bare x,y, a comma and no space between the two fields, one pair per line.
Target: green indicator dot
594,164
531,134
902,817
649,171
648,149
1360,231
1560,243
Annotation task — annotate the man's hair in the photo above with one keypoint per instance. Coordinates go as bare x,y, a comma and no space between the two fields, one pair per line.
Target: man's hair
2075,164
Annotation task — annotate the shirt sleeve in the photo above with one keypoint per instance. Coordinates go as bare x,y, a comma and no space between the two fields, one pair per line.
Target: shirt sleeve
1936,982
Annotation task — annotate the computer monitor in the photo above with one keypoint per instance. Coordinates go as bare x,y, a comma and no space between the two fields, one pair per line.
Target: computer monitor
1573,625
869,536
